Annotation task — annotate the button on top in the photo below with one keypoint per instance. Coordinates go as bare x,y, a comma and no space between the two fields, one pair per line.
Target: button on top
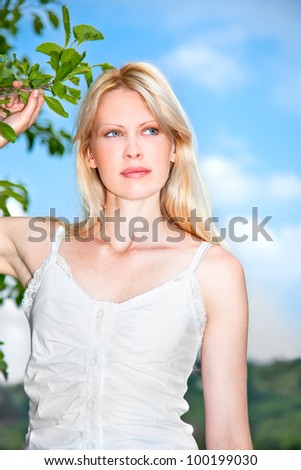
91,403
93,361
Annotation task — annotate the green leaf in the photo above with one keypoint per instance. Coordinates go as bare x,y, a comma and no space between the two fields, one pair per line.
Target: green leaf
74,92
85,32
40,81
55,147
54,60
56,106
34,72
24,95
6,75
85,69
74,80
21,66
15,191
59,89
71,55
8,132
53,19
105,66
89,77
66,21
73,95
38,25
82,68
70,99
70,59
49,47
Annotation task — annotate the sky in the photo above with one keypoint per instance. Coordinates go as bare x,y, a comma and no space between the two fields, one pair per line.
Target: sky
235,66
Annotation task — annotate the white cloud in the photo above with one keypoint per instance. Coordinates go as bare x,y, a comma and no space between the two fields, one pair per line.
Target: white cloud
206,66
285,187
232,33
233,182
276,262
277,19
228,183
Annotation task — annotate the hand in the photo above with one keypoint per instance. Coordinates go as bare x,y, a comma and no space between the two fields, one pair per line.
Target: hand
22,115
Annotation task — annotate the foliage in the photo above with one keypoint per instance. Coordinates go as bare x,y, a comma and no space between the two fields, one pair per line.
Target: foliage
12,12
62,81
3,364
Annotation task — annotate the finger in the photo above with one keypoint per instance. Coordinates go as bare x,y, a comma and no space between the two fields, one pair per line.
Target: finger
14,99
32,108
3,115
38,107
17,84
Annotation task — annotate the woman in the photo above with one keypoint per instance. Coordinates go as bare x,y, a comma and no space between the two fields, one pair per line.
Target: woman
118,304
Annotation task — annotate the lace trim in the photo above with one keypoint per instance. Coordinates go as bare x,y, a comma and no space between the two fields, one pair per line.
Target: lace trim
33,286
198,306
62,263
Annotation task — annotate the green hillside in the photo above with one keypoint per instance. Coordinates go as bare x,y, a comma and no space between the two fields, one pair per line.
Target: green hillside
274,408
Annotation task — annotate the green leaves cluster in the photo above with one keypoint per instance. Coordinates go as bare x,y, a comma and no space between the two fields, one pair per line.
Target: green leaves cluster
15,191
67,65
12,11
3,364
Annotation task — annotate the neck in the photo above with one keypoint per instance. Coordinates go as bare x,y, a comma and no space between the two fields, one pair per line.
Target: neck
128,223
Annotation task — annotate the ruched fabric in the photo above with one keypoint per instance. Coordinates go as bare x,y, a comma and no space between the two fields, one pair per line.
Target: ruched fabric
105,375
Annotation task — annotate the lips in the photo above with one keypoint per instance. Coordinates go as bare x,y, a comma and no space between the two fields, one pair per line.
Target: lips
135,172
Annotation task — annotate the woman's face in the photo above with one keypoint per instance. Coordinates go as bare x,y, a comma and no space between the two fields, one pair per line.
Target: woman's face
130,152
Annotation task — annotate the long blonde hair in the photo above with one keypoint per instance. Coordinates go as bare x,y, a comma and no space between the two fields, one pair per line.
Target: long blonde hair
184,190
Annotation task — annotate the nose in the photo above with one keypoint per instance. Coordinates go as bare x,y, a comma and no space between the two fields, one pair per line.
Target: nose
132,149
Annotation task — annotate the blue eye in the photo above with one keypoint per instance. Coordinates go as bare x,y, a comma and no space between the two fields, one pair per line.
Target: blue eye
151,131
112,134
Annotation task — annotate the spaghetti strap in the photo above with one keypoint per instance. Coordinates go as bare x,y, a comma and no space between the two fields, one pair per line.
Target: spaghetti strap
199,255
55,244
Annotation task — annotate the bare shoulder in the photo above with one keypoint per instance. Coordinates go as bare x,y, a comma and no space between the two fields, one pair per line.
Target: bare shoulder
221,262
25,241
221,277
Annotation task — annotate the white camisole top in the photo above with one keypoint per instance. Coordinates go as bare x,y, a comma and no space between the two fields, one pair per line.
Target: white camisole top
106,375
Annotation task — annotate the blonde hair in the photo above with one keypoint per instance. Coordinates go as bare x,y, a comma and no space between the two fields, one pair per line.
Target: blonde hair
184,190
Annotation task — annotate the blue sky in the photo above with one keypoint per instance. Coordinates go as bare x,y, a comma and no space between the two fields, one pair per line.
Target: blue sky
235,66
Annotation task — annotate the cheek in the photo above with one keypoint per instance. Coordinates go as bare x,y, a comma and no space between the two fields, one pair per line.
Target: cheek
102,155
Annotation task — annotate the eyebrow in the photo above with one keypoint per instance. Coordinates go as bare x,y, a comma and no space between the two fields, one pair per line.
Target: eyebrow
120,125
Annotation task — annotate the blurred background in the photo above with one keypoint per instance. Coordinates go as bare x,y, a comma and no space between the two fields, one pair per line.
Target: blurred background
235,66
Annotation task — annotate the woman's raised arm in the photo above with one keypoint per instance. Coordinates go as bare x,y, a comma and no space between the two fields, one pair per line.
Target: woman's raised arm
9,256
24,243
224,352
